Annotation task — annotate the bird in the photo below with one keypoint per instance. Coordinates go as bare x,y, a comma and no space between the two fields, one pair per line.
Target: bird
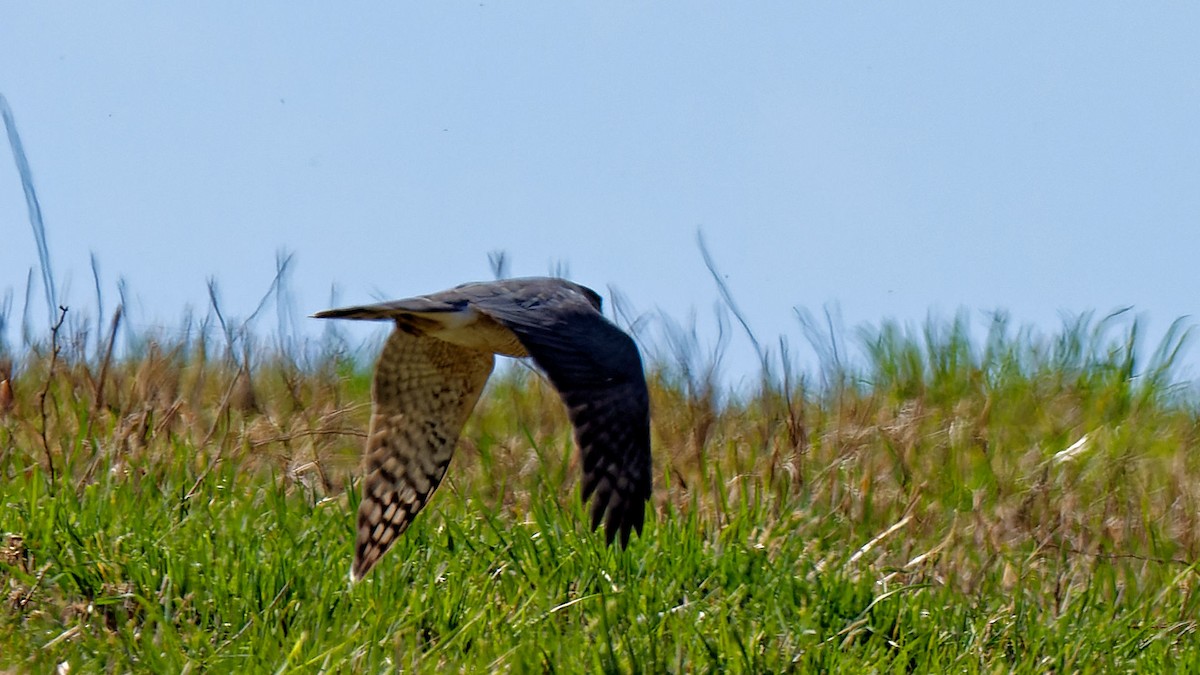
432,370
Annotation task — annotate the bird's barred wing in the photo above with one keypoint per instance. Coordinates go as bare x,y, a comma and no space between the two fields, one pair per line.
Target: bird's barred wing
597,370
423,392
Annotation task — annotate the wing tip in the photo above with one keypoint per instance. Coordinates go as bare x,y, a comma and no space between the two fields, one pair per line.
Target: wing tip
621,517
359,569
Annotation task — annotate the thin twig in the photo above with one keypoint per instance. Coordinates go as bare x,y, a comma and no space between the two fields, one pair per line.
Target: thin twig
308,432
1118,556
98,399
866,548
221,410
727,298
46,390
28,595
104,366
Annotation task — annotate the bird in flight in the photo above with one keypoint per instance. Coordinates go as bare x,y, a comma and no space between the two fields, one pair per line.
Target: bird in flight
433,369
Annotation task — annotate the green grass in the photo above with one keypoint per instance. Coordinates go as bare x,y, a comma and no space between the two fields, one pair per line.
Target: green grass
909,516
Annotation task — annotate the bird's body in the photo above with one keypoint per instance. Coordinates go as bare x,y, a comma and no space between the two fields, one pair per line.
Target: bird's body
434,366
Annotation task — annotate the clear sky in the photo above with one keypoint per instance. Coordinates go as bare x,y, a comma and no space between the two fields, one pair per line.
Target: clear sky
894,158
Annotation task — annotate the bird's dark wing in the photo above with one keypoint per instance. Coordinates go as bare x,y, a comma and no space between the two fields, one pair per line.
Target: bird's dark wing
597,370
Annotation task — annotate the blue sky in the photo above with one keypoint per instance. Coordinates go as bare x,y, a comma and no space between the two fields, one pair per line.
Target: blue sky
893,158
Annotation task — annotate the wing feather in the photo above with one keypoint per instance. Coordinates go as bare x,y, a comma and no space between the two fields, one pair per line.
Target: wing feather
423,392
597,371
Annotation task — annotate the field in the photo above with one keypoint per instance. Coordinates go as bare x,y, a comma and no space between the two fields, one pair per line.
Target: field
1013,502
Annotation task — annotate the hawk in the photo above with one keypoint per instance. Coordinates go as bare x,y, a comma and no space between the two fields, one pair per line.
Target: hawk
433,369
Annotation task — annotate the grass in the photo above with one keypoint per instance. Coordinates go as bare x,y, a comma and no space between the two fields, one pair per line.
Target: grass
1007,503
940,502
937,502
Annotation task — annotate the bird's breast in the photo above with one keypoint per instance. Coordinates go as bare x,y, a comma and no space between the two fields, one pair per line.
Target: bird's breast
475,330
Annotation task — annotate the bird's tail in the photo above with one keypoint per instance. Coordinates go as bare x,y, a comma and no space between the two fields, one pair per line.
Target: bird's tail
385,311
363,312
